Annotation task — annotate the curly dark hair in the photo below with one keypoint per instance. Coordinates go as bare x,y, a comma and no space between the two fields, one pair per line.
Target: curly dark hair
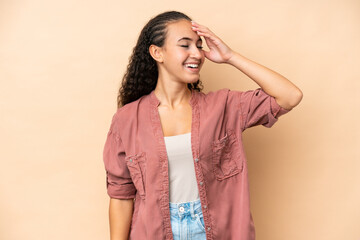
142,74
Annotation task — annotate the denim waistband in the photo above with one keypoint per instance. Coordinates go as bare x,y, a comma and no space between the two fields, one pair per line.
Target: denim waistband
185,208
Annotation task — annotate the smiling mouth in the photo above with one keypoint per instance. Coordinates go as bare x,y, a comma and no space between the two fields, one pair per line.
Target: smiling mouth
193,67
193,70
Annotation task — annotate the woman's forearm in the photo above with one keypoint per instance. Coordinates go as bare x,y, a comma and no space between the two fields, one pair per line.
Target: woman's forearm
120,215
285,92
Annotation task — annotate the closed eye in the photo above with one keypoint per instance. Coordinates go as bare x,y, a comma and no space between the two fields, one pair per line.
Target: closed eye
188,46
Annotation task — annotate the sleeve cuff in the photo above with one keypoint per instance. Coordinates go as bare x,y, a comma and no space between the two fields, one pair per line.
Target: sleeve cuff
276,109
126,192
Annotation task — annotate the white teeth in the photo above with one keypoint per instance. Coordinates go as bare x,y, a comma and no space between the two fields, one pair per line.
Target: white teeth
192,65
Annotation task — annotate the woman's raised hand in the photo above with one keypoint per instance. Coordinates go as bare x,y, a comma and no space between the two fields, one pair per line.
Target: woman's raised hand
219,51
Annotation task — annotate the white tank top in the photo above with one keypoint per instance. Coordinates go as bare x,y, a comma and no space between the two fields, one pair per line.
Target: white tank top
182,178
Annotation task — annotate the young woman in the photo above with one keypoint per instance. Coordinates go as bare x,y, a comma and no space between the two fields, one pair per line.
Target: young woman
174,158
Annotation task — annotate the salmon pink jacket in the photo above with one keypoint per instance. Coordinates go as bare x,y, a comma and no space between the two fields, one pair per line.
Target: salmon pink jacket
136,161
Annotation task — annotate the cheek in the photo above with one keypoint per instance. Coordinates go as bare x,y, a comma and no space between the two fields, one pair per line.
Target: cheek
179,53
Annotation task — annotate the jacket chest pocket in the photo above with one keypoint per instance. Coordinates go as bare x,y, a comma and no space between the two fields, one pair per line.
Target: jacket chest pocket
226,159
137,167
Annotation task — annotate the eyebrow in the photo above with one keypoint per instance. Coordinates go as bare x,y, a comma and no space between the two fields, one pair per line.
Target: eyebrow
186,38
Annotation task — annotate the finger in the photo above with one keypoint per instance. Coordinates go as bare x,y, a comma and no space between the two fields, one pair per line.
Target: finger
204,30
199,26
194,23
208,35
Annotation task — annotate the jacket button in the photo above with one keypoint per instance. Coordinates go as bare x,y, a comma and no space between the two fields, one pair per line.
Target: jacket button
209,228
130,159
205,206
201,183
196,159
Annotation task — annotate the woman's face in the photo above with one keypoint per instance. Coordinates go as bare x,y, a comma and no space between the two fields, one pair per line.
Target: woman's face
182,46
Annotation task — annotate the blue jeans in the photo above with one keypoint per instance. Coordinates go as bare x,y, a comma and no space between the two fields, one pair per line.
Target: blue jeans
187,221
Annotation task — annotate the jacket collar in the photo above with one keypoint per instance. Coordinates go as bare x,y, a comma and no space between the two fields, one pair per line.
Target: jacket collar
155,101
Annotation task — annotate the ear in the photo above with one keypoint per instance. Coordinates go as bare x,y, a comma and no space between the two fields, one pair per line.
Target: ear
156,53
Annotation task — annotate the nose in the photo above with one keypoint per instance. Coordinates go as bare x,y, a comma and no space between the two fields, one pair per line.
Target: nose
196,53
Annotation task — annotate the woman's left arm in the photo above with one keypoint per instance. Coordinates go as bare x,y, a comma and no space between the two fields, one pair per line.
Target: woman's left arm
287,95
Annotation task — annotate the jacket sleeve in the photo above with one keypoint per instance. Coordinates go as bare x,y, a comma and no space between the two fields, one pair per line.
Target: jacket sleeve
257,107
118,181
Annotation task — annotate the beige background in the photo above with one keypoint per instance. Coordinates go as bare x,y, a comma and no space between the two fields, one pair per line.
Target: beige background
61,62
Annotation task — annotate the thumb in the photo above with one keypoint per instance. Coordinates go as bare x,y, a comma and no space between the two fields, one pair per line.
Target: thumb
207,53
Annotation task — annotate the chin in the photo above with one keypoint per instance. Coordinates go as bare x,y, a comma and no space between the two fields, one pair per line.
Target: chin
193,80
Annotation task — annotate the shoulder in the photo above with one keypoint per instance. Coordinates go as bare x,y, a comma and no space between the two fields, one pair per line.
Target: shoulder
214,95
126,113
220,97
131,108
